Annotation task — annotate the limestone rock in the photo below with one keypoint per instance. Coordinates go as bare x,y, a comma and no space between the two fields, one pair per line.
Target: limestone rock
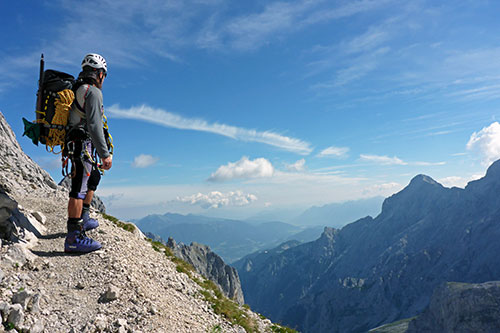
18,255
34,303
461,307
22,297
20,174
39,217
4,309
16,315
210,265
37,327
112,293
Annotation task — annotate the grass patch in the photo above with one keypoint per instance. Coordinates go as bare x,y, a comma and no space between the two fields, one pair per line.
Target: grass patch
216,329
282,329
9,326
125,226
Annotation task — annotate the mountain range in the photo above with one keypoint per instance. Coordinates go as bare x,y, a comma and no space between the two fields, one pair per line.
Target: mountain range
379,270
231,239
339,214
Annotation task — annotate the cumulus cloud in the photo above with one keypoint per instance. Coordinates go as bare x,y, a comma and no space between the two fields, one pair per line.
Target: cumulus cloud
144,161
168,119
334,152
383,160
486,143
243,169
297,166
218,199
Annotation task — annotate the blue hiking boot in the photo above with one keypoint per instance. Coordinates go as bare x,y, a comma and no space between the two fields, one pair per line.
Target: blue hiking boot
78,242
88,222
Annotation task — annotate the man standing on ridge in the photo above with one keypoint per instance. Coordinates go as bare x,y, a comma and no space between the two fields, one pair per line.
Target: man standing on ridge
87,134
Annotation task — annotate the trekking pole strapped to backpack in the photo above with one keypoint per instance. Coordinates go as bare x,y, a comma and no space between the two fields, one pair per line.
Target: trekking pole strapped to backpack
54,99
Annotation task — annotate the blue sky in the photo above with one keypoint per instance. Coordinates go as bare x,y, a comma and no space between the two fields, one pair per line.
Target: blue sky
232,108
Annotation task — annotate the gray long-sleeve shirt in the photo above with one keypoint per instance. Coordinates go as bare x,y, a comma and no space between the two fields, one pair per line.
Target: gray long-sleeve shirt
90,99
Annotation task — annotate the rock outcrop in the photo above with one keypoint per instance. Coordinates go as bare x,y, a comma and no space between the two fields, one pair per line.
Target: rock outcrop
210,265
18,173
461,307
126,286
381,270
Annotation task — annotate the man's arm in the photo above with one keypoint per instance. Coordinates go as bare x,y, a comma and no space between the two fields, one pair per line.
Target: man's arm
93,105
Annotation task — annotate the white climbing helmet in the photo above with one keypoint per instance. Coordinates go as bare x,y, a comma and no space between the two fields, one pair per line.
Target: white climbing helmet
94,60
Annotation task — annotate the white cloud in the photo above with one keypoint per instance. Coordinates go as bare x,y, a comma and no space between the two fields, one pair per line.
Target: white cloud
453,181
144,161
168,119
218,199
385,189
297,166
112,198
486,143
383,160
334,152
243,169
428,163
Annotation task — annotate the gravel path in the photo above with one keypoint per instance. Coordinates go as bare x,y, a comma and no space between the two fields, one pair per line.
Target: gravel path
77,292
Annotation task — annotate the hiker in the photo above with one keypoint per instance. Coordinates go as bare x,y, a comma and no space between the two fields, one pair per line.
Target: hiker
86,137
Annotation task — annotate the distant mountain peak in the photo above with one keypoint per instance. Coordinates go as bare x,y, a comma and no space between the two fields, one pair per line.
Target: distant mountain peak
421,179
329,233
494,170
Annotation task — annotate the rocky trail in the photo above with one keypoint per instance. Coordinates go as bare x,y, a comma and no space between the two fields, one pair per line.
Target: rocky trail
125,286
130,285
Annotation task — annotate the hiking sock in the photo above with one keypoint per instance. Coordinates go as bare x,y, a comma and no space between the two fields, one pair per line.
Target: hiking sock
86,209
74,224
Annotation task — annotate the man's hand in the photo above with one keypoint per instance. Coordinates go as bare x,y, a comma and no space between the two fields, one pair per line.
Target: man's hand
107,162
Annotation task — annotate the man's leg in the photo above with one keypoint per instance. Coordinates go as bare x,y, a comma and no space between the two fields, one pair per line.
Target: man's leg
88,197
76,240
75,207
92,183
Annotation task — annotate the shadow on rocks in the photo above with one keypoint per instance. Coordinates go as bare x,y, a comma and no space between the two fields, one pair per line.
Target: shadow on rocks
53,236
56,254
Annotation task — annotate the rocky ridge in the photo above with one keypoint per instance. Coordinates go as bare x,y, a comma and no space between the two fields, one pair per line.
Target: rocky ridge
461,307
125,287
380,270
210,265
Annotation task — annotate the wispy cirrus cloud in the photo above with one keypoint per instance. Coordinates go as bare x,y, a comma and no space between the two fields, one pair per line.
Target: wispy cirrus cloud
333,151
383,160
386,160
253,30
172,120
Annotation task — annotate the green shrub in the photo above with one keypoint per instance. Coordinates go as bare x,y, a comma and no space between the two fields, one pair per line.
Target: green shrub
130,227
282,329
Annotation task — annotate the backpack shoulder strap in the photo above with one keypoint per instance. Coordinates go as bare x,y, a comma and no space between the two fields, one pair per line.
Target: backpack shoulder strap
81,108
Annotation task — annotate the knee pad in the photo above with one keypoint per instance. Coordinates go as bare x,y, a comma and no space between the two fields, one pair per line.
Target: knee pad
94,179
